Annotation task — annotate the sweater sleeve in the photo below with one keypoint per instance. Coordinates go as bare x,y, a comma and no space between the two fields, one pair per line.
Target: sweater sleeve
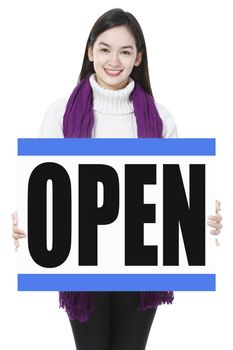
169,125
52,125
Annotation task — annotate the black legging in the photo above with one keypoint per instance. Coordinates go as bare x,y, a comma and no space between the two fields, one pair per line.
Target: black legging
116,324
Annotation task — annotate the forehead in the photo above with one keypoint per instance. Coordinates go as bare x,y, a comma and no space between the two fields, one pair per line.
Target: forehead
117,37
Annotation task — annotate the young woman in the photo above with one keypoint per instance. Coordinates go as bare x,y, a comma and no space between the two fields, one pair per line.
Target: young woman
113,98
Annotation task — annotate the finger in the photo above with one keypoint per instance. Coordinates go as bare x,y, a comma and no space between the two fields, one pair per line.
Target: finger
212,223
18,230
216,225
216,217
18,235
15,217
217,206
16,244
215,232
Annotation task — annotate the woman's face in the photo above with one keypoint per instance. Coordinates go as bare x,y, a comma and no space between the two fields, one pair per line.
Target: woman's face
114,54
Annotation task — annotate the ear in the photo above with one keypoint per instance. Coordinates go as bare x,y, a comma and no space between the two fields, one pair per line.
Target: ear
138,59
90,54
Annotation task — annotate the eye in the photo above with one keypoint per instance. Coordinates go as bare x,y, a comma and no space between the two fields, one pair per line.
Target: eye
104,50
125,52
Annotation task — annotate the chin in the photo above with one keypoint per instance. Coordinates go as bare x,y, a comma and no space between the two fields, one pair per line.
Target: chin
116,80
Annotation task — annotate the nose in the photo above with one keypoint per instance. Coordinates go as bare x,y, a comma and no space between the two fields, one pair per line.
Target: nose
114,60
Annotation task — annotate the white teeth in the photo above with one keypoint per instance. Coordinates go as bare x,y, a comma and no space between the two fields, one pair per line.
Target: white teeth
111,70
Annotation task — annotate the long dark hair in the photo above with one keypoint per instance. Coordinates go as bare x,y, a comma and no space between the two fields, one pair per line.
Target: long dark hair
114,18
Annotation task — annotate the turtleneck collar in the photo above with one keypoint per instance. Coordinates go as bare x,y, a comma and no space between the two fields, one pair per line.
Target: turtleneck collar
113,102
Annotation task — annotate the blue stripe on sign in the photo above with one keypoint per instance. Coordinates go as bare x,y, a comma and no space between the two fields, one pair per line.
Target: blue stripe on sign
117,147
116,282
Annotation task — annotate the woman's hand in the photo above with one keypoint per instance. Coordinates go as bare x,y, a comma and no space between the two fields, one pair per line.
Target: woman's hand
215,221
18,233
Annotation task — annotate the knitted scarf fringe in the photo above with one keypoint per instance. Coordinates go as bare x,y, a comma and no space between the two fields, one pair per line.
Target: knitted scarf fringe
149,300
80,305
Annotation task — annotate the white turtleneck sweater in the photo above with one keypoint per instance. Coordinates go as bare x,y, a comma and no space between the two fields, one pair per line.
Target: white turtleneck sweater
113,115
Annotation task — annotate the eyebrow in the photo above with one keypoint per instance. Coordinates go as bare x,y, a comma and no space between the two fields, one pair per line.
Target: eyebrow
122,47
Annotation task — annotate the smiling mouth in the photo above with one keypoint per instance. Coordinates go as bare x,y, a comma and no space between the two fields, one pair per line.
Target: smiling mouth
112,72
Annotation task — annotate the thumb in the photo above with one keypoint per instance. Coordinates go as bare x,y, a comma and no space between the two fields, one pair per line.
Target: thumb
15,217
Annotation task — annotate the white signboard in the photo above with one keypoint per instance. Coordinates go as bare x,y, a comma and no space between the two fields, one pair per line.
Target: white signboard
116,214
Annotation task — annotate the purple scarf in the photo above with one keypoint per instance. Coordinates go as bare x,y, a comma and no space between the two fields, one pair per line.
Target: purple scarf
78,121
